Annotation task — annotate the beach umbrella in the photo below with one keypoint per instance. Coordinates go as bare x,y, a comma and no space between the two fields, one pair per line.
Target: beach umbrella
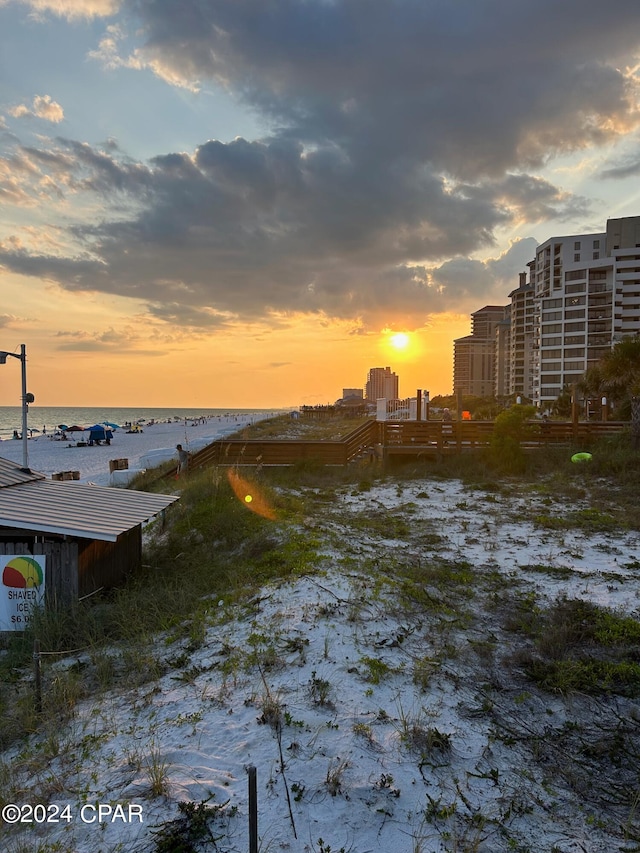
110,425
62,426
74,428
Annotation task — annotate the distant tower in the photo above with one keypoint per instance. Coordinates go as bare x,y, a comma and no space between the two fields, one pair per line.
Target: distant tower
474,355
381,382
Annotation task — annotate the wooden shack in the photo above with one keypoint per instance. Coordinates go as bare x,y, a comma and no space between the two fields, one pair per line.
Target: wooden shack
91,535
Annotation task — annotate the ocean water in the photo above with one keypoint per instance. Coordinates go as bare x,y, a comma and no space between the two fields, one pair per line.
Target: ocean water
51,416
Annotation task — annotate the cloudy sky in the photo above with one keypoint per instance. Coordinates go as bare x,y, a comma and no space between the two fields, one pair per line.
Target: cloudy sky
240,202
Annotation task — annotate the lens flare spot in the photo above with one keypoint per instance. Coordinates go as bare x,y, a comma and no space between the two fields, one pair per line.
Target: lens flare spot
251,495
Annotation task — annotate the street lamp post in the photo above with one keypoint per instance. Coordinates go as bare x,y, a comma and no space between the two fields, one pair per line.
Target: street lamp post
26,399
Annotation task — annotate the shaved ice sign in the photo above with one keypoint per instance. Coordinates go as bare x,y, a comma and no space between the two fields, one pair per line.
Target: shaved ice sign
22,589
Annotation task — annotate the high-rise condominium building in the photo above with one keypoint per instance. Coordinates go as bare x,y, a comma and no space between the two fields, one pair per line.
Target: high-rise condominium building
381,382
587,295
502,368
519,355
474,355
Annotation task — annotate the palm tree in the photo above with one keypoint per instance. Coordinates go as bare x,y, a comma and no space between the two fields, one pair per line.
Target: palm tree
620,369
617,376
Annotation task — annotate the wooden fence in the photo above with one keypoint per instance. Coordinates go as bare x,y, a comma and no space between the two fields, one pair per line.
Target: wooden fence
423,437
268,452
388,438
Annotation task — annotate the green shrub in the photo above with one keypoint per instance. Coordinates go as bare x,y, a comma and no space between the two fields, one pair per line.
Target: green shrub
510,428
580,646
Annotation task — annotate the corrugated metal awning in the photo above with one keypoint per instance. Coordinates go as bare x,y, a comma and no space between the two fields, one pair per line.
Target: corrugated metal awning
77,509
11,474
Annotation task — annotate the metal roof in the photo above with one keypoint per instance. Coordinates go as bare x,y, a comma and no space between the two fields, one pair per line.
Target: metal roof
11,474
77,509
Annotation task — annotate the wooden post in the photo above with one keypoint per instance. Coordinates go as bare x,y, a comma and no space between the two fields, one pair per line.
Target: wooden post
253,809
418,405
605,409
37,675
459,403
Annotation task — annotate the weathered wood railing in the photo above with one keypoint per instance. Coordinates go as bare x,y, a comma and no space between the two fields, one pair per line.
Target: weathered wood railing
239,451
395,438
407,437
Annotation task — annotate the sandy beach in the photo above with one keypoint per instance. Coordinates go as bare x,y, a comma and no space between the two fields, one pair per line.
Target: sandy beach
154,444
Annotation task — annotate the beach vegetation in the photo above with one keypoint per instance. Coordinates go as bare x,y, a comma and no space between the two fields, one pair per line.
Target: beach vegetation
432,745
424,669
212,548
193,828
510,428
157,771
320,691
334,780
363,730
579,646
376,669
616,376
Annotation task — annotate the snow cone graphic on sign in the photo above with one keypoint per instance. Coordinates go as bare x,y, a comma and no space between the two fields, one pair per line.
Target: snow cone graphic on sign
22,573
22,589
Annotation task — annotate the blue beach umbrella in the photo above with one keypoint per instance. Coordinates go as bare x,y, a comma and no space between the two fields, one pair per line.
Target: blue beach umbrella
110,425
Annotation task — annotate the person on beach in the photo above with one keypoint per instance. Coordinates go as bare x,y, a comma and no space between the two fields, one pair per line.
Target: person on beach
183,460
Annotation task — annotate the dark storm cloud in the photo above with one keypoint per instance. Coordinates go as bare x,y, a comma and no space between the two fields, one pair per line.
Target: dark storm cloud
181,316
472,88
66,271
402,134
255,226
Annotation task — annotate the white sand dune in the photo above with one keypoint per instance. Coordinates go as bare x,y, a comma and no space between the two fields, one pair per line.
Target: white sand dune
403,728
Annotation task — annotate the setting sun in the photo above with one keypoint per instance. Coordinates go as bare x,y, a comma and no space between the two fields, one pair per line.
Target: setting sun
399,340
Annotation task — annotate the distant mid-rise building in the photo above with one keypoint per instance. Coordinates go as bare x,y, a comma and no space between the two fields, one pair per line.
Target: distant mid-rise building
381,382
352,392
474,355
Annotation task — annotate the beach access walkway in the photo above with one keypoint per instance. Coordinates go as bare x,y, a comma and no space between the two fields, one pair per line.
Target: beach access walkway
383,440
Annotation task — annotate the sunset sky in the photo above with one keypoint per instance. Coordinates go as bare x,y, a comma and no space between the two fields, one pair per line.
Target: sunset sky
240,202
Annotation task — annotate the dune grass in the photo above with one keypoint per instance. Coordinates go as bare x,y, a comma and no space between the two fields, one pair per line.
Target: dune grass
214,549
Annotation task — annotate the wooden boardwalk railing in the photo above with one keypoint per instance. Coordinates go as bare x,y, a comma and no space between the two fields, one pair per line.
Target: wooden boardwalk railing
236,451
422,437
391,438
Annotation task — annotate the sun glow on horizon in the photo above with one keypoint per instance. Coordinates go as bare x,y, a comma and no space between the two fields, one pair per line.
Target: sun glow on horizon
399,341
